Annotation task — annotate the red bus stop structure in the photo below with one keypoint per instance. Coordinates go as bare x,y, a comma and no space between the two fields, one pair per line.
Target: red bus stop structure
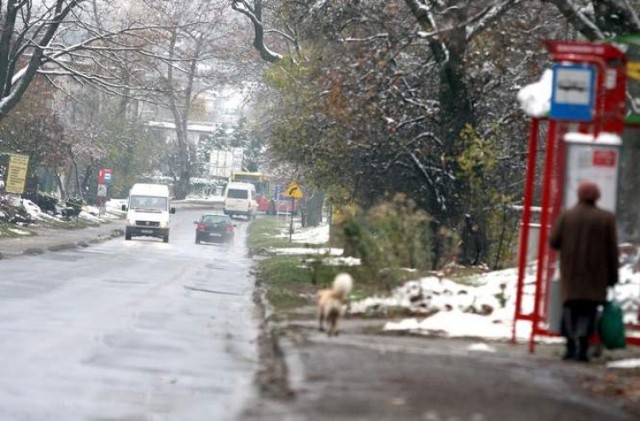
603,113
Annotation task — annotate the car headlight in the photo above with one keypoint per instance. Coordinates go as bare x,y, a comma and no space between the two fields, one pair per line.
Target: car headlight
131,222
164,224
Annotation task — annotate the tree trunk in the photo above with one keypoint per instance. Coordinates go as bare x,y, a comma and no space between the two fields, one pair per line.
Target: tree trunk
63,191
313,205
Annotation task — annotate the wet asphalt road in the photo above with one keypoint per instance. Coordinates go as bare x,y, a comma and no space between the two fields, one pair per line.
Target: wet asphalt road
130,330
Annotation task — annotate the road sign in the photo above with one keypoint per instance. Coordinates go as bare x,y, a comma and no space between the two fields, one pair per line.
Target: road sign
293,190
17,176
573,93
104,176
102,190
633,69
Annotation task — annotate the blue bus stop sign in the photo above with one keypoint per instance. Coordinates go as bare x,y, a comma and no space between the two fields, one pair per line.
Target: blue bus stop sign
573,92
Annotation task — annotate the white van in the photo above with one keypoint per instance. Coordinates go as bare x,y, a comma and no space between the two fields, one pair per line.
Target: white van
240,199
148,211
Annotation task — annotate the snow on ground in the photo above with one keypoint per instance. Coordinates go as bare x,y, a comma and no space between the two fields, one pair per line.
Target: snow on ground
628,363
34,211
317,236
19,231
88,213
481,347
307,235
312,235
306,250
480,306
485,308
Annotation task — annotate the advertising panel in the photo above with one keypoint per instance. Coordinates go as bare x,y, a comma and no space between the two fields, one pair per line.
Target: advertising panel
17,176
592,161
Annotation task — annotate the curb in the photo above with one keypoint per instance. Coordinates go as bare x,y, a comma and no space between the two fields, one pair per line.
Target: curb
36,251
272,376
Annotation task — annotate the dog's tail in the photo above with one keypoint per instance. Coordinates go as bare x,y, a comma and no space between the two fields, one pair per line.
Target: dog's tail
342,285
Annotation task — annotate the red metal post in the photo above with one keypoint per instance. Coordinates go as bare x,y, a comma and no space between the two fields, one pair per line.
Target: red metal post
544,221
526,220
556,203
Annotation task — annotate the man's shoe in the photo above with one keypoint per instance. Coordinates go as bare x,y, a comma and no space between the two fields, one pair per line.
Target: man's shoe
583,349
570,350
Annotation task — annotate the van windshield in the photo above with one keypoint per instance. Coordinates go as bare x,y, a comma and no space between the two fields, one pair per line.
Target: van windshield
148,202
237,194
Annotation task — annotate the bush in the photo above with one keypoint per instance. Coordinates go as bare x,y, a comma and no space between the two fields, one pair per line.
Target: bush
390,236
73,208
45,202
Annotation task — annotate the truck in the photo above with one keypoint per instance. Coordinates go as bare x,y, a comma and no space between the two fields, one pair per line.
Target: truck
222,162
148,209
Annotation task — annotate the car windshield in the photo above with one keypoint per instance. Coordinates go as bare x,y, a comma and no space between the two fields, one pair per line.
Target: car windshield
237,194
148,202
214,219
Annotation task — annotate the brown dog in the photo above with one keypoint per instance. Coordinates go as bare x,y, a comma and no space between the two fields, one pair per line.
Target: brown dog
331,301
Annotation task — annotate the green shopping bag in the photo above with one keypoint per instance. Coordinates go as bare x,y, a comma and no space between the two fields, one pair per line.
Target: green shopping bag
612,333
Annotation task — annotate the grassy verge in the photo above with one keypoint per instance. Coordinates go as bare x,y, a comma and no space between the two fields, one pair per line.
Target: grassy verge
291,279
8,230
265,233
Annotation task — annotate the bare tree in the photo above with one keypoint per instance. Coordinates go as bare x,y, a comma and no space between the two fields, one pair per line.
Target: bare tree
254,11
189,52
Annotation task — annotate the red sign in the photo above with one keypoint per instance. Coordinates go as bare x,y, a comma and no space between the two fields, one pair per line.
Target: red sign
104,176
604,158
585,48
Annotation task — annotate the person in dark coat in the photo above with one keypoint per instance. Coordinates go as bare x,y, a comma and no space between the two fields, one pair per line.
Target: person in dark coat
586,237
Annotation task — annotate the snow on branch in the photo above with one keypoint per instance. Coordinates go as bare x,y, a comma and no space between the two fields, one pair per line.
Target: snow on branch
367,39
578,19
255,16
486,17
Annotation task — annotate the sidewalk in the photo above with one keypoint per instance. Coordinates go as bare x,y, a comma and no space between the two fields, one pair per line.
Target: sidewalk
49,239
364,374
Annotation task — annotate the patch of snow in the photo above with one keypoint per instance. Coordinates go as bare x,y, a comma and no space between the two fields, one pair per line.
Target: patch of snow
304,250
116,203
307,235
405,324
88,217
483,307
481,347
629,363
342,261
19,232
312,235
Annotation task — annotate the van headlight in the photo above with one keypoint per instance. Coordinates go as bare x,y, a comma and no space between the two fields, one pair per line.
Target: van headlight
164,224
131,222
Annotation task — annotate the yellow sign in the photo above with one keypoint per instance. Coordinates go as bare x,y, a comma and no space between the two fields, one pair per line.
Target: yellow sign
294,191
633,69
17,173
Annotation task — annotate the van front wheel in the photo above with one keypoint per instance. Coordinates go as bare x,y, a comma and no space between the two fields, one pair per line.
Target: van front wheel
165,238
